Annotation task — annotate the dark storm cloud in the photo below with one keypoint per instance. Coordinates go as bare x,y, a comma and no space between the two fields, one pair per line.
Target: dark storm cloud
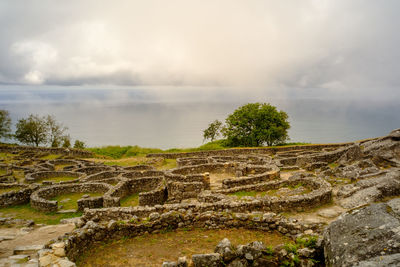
290,47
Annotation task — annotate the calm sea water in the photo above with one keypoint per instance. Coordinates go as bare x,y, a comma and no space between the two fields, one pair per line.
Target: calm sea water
101,117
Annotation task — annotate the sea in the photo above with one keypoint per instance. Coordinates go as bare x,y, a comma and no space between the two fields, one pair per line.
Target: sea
103,117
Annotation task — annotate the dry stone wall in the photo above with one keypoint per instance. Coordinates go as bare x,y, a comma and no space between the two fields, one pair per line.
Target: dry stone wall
245,151
40,199
61,151
20,195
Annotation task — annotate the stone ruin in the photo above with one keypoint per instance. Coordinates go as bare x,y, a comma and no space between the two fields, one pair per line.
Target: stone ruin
208,189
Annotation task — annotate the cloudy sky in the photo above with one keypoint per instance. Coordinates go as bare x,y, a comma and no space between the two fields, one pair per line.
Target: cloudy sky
317,48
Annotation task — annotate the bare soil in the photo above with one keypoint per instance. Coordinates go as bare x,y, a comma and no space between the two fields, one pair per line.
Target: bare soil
217,178
153,249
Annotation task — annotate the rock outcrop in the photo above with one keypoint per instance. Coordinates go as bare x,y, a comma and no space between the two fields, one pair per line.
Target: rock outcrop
369,236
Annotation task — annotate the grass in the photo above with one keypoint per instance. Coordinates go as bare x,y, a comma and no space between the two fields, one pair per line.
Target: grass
60,167
5,190
154,249
272,192
139,160
69,201
7,157
28,213
22,261
241,194
60,179
167,164
126,162
130,201
333,165
119,152
50,157
2,172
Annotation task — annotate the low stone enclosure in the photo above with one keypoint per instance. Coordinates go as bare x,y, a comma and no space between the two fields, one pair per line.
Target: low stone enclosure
39,176
91,232
15,194
221,189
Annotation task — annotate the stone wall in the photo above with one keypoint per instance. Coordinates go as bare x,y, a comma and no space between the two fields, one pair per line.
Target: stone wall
21,194
37,176
61,151
182,162
243,151
102,175
139,174
94,169
90,202
321,194
39,198
132,186
6,177
253,179
139,168
90,233
178,191
228,167
154,197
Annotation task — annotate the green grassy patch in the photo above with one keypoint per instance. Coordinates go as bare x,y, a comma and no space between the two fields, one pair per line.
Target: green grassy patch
7,157
50,157
118,152
60,167
295,186
241,194
2,172
130,201
22,261
69,201
28,213
333,165
167,164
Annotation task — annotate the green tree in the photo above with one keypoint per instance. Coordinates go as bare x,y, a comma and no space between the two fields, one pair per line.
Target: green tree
79,144
32,130
5,124
256,124
213,130
55,131
66,141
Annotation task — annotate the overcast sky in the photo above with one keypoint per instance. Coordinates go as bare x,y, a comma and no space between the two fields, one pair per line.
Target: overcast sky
315,48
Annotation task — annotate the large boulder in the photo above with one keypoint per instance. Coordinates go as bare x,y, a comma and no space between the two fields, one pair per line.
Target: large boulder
207,260
370,190
369,236
384,151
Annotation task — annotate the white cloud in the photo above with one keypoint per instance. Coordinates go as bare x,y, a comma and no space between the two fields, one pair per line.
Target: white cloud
334,45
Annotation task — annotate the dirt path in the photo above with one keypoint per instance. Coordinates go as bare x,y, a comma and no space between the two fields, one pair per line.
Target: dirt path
217,178
38,236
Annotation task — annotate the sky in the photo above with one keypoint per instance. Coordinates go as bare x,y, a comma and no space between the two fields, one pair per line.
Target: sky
309,48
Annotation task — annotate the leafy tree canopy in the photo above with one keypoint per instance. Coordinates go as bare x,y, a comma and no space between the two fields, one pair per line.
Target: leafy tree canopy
254,124
213,130
32,130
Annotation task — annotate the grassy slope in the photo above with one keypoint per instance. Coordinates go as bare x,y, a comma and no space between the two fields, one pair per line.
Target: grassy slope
119,152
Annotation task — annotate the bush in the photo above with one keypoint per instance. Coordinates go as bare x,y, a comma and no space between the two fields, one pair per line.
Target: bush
79,144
